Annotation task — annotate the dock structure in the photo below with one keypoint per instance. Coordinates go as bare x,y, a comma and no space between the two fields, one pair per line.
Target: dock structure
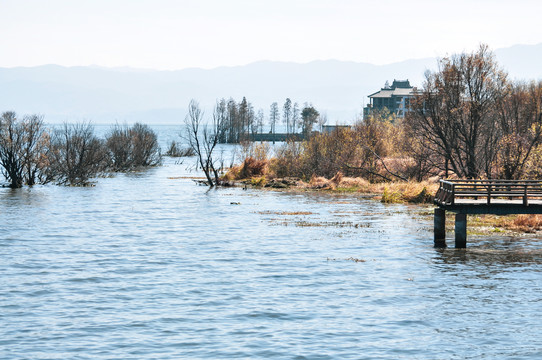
276,137
498,197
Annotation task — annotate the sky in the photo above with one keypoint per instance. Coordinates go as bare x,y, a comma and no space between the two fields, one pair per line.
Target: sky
178,34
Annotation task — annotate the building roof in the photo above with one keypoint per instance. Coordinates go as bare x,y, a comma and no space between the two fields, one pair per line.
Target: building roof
403,84
396,92
398,88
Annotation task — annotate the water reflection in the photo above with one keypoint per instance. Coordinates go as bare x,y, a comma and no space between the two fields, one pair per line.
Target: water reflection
196,273
27,196
489,256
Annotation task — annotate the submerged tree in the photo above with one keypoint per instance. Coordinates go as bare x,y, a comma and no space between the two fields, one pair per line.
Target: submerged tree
77,155
23,147
146,151
119,145
11,145
204,139
134,147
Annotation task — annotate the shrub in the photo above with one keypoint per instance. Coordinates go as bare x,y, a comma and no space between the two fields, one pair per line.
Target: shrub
320,182
134,147
76,155
146,151
175,151
287,161
119,144
252,167
390,196
23,147
258,181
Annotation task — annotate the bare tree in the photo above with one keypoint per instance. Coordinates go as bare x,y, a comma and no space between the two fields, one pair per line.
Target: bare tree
259,120
322,120
11,145
204,139
77,155
243,113
454,115
36,144
119,145
134,147
22,149
274,117
295,117
287,114
519,115
146,151
221,109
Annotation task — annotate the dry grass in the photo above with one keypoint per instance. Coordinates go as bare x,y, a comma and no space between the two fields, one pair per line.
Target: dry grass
320,182
339,182
350,182
285,212
506,224
411,192
250,168
521,223
390,192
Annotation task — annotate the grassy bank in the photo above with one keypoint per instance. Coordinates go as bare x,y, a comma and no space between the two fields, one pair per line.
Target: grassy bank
254,174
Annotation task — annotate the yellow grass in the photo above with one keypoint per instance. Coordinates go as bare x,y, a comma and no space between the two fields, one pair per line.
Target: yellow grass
521,223
389,192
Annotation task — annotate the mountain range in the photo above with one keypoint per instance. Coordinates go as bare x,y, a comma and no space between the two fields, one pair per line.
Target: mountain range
108,95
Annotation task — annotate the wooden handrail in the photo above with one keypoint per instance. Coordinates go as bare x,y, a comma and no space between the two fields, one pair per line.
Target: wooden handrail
450,190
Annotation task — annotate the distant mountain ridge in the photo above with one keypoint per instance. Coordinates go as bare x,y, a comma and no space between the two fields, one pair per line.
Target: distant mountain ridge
108,95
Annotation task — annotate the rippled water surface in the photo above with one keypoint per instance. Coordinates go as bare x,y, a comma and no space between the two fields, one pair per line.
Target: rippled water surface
152,266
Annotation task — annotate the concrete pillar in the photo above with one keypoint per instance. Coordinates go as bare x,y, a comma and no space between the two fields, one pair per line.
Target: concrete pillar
440,228
460,231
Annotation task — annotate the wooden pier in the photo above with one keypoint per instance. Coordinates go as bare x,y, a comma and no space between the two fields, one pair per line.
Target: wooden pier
276,137
498,197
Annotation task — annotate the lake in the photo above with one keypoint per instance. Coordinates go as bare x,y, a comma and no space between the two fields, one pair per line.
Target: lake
150,265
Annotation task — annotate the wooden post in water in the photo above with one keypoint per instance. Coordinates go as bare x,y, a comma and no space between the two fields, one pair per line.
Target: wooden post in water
460,231
440,228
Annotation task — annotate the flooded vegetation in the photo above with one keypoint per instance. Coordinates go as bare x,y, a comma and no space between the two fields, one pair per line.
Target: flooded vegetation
146,263
150,265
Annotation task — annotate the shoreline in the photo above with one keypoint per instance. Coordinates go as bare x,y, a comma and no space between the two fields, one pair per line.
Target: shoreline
407,193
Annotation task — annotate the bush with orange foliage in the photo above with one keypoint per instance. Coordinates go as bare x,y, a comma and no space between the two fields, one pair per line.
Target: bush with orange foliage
371,149
252,167
248,169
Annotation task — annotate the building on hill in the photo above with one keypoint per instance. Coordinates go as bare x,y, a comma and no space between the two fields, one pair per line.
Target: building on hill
396,98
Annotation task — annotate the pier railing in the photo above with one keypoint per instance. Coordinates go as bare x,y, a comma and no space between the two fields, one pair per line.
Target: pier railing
452,191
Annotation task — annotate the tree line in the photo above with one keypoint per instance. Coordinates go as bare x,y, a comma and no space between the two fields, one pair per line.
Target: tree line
238,120
468,121
473,121
71,154
233,123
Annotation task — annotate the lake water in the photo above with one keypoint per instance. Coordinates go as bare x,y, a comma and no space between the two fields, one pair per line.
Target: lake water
150,265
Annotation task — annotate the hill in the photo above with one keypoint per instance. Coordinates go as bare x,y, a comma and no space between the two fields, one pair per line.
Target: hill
106,95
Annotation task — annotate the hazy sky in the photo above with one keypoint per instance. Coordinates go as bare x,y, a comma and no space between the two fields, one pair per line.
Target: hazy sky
175,34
